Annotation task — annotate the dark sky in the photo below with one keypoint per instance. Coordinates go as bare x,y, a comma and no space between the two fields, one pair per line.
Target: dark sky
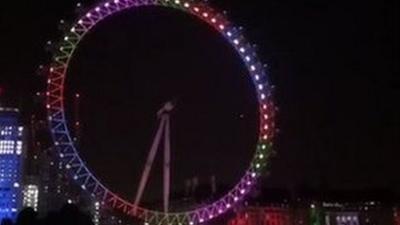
334,65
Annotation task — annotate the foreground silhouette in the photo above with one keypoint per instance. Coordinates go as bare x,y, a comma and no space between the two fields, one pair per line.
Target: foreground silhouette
68,215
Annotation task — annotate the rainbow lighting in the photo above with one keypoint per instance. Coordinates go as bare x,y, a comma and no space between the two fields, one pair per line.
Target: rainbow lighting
69,154
10,163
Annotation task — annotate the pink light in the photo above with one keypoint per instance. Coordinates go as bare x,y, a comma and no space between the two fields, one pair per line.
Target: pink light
222,27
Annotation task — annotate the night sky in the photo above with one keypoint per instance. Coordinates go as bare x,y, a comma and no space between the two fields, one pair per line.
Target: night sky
334,65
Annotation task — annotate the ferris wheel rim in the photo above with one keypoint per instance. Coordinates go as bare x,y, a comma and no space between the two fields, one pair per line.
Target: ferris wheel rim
70,154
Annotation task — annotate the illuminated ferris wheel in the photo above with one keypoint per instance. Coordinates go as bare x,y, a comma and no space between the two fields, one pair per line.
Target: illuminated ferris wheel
69,154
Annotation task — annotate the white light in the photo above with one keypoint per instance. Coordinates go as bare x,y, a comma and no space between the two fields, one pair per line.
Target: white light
257,77
88,15
213,20
229,34
253,174
107,4
187,5
97,9
73,29
258,165
116,1
236,199
16,185
261,156
262,96
253,68
205,15
177,2
80,21
236,41
260,87
66,38
264,147
242,50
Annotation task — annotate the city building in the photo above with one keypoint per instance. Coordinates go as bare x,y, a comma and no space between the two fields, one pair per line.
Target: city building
31,192
11,162
31,196
270,215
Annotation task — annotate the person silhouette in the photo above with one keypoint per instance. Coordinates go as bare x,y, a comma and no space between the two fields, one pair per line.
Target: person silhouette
27,216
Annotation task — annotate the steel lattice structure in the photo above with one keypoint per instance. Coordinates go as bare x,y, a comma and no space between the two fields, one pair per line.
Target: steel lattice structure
69,153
